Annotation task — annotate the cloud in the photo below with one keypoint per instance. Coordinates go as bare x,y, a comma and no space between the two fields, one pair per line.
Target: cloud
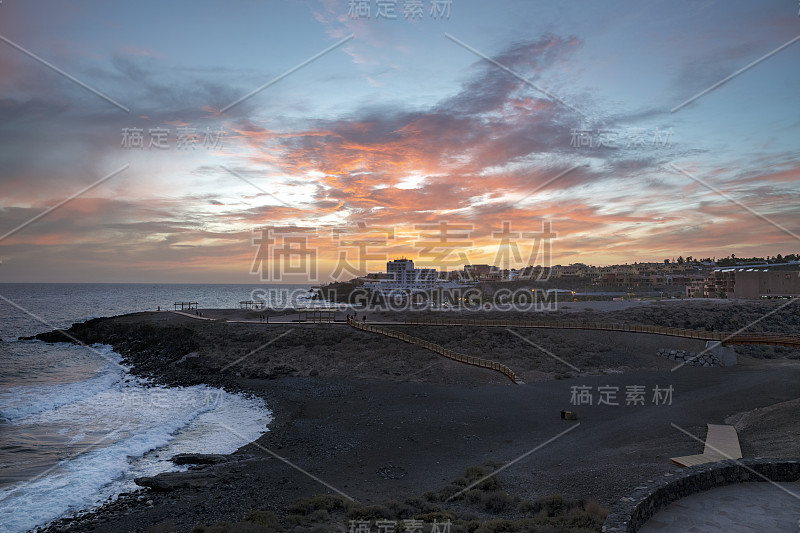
494,133
486,154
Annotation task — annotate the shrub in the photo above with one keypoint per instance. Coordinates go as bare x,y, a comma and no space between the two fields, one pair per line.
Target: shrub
596,511
498,526
439,516
327,502
450,491
167,526
495,502
401,510
368,512
320,515
231,527
431,496
490,483
553,505
474,472
295,519
266,519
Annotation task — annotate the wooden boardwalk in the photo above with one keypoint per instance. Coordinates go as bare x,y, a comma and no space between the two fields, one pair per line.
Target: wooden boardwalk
725,338
722,442
722,337
441,350
774,339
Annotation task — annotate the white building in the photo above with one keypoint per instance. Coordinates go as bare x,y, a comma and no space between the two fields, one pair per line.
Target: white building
403,278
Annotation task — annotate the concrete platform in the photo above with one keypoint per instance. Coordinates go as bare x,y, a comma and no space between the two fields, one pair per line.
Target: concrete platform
722,442
755,507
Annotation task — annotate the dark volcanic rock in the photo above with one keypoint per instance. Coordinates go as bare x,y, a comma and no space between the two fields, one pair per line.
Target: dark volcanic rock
169,481
151,348
282,370
198,458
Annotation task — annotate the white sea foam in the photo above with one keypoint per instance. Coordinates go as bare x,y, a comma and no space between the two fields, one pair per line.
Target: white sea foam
114,431
17,403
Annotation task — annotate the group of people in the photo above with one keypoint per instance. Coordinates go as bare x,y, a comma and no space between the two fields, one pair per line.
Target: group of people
355,317
263,318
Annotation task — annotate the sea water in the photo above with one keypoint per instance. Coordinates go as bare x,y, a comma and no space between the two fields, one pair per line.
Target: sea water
76,427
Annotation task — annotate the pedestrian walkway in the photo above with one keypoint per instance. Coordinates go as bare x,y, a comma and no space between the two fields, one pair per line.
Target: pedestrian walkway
754,507
722,442
191,315
723,337
441,350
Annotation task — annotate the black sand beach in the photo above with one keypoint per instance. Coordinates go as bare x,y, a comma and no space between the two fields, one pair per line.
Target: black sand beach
381,421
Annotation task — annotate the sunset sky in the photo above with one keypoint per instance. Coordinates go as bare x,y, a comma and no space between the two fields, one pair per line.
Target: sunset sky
402,129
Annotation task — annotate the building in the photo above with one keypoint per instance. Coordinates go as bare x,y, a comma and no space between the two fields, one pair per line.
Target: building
479,271
575,270
720,283
695,288
402,278
403,273
754,281
767,283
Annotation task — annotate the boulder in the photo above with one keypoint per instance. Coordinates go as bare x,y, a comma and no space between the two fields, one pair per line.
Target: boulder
198,458
169,481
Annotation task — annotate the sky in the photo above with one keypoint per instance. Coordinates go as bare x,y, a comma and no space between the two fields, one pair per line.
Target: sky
313,140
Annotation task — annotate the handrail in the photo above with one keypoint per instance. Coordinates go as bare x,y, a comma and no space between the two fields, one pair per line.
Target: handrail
441,350
774,339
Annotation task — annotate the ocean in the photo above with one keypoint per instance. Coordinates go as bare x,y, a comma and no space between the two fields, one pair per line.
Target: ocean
75,426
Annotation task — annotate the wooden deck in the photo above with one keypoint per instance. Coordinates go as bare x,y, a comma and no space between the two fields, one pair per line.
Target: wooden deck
722,442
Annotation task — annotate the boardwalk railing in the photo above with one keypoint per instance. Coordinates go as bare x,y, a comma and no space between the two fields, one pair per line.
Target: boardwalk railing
441,350
774,339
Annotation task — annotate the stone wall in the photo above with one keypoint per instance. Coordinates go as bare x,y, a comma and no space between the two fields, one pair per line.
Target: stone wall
632,511
725,354
689,358
715,354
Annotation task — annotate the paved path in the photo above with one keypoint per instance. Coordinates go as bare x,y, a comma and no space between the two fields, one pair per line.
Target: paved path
190,315
755,507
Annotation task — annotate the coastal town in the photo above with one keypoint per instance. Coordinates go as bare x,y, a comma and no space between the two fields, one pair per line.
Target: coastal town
753,278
